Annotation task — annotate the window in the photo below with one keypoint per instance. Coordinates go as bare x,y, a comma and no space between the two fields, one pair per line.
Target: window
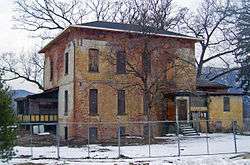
198,101
66,133
121,102
146,62
120,62
122,131
66,103
218,125
66,63
226,101
92,134
51,70
93,101
93,60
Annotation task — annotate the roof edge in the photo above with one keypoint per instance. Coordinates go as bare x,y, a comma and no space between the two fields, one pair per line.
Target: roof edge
116,30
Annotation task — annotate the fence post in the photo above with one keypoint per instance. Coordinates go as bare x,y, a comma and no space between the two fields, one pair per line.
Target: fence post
207,137
58,140
178,138
149,139
88,140
119,140
31,141
234,133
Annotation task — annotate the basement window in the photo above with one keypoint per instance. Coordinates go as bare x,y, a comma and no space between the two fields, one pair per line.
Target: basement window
92,135
122,131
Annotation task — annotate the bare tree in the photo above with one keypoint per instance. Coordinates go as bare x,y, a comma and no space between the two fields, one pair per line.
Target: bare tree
160,13
52,15
101,9
148,59
28,67
49,16
243,37
214,23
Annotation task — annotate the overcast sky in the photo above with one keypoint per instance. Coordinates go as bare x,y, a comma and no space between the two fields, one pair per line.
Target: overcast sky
12,40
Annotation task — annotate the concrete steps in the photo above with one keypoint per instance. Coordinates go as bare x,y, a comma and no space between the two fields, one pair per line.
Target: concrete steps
188,130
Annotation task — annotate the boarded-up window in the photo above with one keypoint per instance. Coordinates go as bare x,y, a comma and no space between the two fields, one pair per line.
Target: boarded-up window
93,60
93,101
66,133
51,70
66,63
92,134
226,101
66,103
121,102
120,62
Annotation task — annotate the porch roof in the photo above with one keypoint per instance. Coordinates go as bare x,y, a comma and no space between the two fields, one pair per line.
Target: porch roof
50,93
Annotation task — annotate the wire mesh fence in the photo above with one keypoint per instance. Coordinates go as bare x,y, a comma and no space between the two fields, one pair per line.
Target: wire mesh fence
131,139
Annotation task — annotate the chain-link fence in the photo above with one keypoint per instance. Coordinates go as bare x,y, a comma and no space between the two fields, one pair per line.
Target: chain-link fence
131,139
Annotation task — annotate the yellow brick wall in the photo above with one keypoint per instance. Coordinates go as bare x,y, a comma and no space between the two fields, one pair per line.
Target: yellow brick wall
216,111
185,71
104,81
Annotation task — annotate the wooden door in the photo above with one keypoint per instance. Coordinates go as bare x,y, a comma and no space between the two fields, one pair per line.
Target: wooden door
182,109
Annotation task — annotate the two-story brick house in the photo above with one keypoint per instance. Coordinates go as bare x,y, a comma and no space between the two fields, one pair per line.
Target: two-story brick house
94,94
75,63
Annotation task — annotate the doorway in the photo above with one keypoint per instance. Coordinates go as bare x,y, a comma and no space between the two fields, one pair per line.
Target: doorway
182,109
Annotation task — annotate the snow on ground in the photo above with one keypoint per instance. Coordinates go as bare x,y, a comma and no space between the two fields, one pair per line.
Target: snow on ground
185,160
160,153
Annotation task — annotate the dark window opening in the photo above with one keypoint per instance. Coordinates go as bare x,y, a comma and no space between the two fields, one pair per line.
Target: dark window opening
93,60
66,103
226,101
121,62
92,134
121,102
51,70
93,101
66,133
66,63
